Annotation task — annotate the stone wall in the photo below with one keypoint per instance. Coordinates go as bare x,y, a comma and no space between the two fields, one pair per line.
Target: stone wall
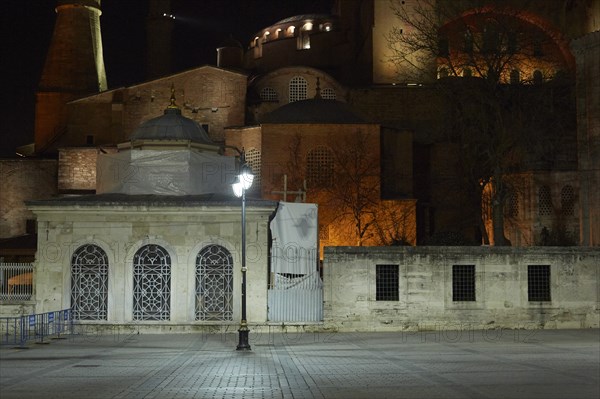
21,180
425,288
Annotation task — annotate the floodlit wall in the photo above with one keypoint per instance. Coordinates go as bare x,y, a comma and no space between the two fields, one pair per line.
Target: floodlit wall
422,294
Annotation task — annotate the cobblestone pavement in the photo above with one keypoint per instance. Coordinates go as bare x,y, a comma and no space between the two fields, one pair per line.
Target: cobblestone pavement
442,364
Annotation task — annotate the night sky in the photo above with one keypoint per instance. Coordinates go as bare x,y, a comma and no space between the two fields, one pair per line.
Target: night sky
200,26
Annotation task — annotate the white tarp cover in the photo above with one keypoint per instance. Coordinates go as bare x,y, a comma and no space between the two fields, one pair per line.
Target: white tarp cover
164,172
294,231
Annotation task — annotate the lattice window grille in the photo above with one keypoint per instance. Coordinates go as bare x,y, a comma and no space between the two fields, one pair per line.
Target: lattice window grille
463,283
89,283
298,89
513,205
567,200
214,284
387,284
268,94
324,232
328,94
151,283
545,201
253,158
319,165
538,283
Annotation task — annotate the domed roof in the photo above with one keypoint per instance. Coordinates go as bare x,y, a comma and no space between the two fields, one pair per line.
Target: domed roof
314,111
172,126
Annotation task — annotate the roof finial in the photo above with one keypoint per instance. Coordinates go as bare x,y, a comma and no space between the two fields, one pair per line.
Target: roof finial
173,104
318,90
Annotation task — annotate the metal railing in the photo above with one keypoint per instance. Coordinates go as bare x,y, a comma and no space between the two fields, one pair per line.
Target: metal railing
16,281
39,327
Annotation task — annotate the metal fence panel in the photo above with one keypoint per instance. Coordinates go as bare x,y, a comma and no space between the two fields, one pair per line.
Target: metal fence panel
16,281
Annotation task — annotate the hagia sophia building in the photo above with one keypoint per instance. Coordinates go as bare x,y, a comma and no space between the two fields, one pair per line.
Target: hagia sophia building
297,96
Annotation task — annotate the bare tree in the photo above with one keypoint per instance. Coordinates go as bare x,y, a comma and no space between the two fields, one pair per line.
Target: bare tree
495,49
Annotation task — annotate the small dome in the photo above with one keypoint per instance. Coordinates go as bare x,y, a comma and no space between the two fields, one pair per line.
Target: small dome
314,111
230,42
172,126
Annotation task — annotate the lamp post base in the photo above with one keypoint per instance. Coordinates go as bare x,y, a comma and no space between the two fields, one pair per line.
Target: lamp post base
243,344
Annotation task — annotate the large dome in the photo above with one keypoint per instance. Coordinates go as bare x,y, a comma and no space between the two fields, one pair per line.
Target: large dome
314,111
172,126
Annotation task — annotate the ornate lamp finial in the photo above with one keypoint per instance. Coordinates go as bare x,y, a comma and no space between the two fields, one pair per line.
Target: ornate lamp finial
173,104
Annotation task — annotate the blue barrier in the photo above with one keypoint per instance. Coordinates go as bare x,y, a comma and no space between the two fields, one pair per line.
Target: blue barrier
39,327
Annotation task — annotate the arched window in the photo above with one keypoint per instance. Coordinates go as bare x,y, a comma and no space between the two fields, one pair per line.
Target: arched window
214,284
268,94
89,283
567,200
298,89
328,94
319,167
544,201
254,160
151,283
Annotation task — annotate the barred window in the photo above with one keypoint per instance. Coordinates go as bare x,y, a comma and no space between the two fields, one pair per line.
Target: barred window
151,283
253,158
319,165
513,205
298,89
567,200
268,94
328,94
463,282
386,283
214,284
544,201
538,282
89,283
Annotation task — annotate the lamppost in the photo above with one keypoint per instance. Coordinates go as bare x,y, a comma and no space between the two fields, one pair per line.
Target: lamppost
243,182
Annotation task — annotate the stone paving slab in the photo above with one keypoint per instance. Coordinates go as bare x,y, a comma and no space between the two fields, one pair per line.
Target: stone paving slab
478,364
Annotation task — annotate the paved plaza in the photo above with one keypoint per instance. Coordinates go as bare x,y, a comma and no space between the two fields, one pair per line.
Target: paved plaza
436,364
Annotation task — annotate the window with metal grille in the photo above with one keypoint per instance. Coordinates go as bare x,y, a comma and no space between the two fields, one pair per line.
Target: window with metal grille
463,282
323,232
214,284
268,94
544,201
513,205
151,283
328,94
319,167
253,158
89,283
538,282
298,89
386,283
567,200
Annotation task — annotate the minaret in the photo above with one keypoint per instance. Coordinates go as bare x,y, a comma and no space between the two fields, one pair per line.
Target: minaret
159,33
74,67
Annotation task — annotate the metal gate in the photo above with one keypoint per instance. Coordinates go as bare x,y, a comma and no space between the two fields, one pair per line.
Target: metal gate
296,298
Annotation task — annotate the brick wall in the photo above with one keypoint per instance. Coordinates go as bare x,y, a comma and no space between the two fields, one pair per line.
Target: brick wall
21,180
77,169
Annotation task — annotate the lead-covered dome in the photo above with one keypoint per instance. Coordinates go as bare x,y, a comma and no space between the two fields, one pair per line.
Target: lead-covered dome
172,126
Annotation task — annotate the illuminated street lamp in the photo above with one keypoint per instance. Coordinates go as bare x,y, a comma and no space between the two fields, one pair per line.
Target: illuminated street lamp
243,183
